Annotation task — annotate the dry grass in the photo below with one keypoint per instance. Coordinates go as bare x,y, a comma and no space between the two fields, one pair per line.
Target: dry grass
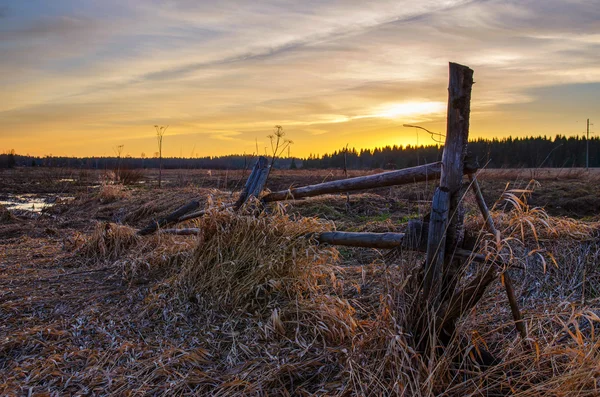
108,242
541,174
240,261
253,307
129,176
5,215
109,193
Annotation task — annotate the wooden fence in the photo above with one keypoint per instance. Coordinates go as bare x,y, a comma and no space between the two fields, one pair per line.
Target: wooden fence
440,238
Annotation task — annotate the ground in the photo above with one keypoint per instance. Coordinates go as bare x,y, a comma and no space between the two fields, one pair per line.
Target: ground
77,320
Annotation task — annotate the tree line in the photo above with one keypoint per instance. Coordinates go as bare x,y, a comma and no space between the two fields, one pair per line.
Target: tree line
529,152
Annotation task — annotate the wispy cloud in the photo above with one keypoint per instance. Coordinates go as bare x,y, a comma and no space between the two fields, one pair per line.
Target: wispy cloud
225,72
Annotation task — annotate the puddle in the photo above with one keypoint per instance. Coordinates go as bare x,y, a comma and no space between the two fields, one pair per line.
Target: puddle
30,202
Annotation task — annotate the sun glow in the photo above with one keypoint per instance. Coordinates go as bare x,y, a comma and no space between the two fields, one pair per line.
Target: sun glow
407,109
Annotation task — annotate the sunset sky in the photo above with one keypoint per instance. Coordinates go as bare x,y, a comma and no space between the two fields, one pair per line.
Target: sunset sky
82,77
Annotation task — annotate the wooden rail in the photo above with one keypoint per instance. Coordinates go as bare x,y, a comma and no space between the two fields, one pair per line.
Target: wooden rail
392,178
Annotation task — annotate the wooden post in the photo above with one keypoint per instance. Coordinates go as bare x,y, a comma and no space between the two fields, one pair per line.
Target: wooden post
445,229
436,244
258,186
506,280
255,183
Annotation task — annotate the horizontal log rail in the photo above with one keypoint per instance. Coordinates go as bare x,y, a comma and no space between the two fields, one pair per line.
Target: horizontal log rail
399,177
260,173
366,240
387,240
413,240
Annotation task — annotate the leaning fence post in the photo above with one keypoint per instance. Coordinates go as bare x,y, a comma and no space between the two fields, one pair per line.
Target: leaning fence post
445,225
505,277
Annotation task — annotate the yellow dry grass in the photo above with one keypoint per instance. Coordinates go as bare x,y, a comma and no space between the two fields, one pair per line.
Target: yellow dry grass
254,306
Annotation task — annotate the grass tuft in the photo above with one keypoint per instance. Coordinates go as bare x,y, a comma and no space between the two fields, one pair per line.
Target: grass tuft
109,193
6,216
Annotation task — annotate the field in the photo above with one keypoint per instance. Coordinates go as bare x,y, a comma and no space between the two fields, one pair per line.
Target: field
251,306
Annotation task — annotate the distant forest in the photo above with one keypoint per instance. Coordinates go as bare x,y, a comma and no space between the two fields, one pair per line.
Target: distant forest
509,152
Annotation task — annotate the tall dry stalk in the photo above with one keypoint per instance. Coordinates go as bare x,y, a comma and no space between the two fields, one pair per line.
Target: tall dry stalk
278,143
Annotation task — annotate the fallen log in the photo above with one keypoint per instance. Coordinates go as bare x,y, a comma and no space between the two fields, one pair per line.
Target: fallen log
254,186
367,240
400,177
415,239
410,241
171,218
190,231
198,214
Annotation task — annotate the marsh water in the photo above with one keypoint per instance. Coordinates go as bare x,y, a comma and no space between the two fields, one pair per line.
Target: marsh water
35,203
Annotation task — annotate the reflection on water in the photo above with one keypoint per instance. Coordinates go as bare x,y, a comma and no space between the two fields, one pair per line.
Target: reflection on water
30,202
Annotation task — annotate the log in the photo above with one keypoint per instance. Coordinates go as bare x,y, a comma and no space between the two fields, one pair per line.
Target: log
400,177
436,244
367,240
254,186
198,214
446,221
169,219
190,231
411,240
255,183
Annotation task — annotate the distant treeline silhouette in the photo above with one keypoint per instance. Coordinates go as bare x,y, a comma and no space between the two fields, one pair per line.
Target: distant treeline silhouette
529,152
509,152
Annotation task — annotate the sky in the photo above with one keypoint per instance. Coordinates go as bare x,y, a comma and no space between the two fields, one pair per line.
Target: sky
83,77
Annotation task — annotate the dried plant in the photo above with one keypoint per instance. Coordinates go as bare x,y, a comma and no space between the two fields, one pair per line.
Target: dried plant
278,143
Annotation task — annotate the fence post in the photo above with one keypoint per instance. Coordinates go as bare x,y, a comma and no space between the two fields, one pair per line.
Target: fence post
445,227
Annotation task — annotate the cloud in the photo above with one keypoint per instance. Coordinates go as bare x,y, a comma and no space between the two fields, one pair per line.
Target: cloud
228,70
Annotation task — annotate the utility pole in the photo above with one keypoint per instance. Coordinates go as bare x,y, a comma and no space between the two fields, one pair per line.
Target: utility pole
587,146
